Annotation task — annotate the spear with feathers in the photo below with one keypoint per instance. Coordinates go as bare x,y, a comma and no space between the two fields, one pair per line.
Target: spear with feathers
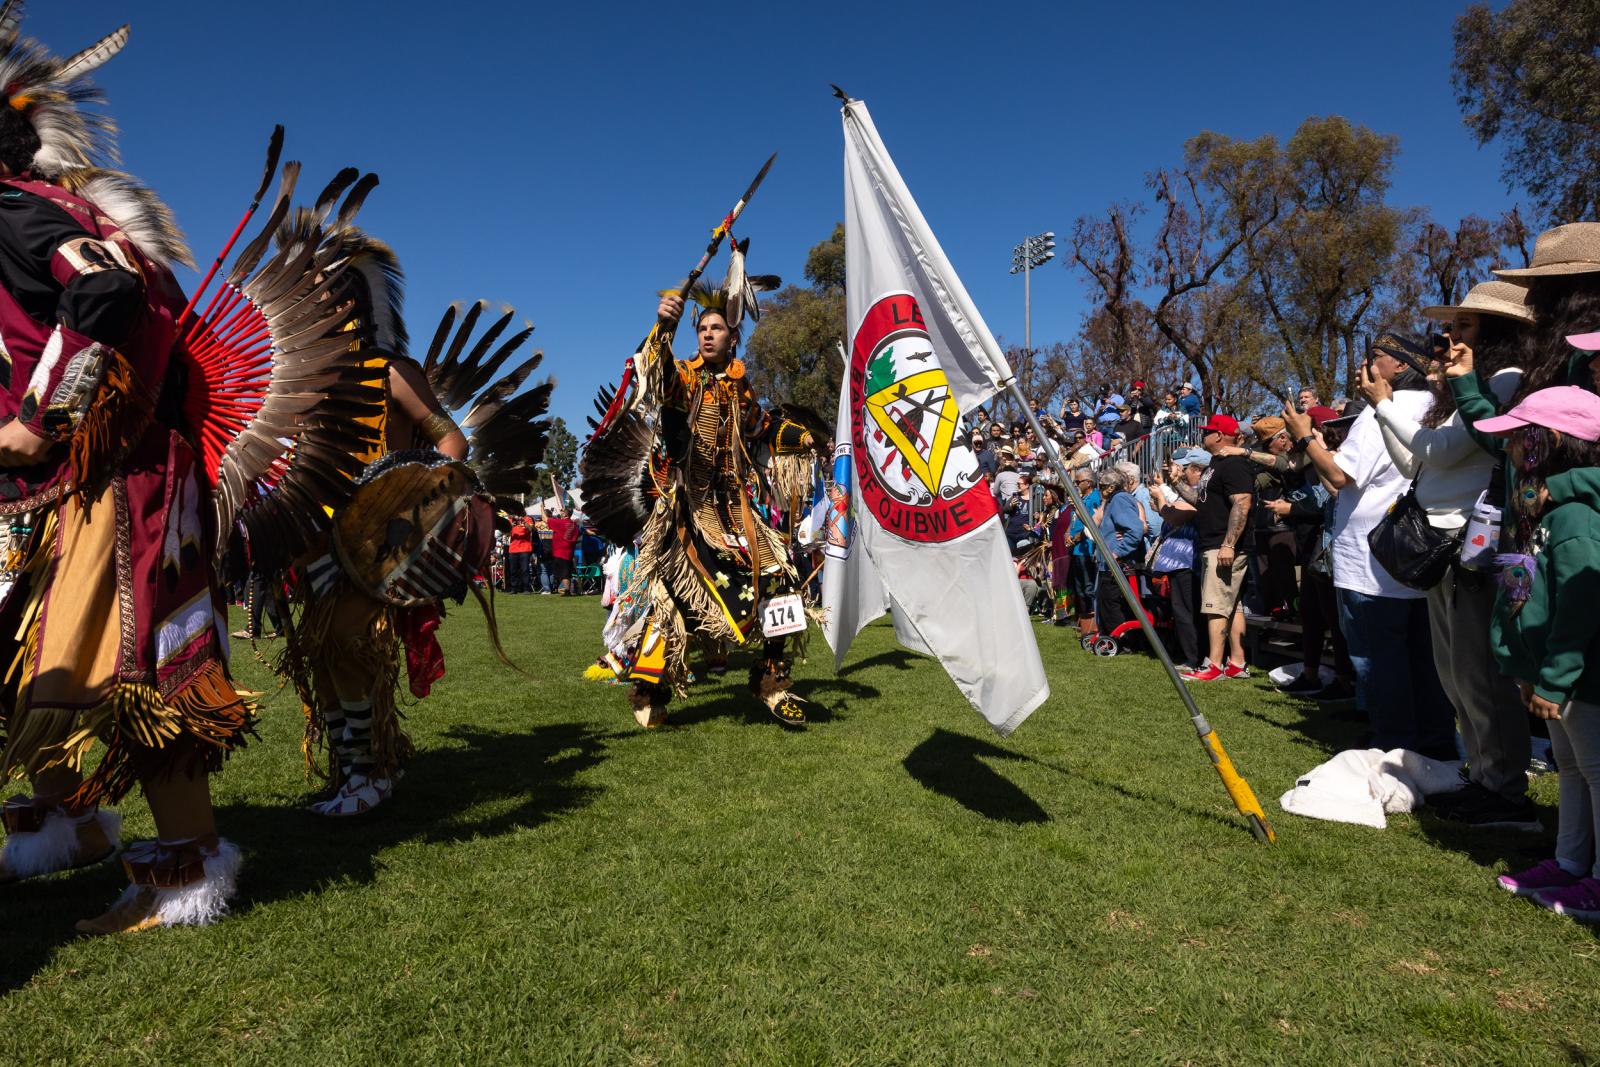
662,332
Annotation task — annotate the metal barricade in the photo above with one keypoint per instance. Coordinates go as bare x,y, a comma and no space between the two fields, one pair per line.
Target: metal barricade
1154,450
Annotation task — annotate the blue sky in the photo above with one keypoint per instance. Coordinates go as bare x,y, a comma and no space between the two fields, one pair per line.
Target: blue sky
569,159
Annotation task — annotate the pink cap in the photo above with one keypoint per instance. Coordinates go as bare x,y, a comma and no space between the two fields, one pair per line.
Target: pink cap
1567,408
1589,342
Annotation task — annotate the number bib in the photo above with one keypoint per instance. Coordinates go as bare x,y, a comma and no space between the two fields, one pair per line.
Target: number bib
783,615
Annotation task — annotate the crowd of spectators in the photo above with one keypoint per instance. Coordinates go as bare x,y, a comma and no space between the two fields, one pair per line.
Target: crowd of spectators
1436,540
544,554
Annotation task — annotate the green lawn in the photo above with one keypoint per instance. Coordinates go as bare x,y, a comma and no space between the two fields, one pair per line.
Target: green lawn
891,885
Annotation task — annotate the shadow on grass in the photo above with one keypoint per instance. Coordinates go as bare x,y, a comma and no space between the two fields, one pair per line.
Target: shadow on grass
898,658
1489,847
951,765
824,700
1331,728
490,783
38,917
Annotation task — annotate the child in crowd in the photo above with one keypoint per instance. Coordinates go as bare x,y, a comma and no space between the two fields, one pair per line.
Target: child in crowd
1546,632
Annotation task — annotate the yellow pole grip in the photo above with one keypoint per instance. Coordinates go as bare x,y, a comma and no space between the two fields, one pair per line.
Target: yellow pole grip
1244,798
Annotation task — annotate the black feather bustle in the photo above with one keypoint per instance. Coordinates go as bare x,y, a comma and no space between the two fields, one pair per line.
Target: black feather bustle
619,489
507,433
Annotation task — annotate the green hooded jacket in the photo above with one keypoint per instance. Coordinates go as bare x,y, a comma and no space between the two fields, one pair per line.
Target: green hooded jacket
1557,632
1476,402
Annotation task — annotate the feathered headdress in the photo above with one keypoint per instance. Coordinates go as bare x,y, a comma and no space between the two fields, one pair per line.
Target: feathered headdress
50,94
736,296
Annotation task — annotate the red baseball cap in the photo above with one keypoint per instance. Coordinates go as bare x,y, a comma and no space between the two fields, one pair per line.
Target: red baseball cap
1223,424
1320,414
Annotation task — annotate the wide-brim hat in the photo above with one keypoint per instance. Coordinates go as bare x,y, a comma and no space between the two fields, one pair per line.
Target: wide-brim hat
1570,249
1506,300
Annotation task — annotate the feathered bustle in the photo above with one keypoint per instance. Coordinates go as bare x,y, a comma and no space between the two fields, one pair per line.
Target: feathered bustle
283,395
505,429
619,487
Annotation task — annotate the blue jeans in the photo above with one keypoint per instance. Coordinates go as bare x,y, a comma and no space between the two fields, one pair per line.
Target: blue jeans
1397,684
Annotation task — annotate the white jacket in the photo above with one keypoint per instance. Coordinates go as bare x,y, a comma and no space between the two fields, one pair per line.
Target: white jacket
1449,468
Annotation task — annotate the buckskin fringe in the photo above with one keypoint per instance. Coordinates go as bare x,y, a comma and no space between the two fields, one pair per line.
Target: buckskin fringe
790,475
115,422
192,731
313,654
27,736
664,563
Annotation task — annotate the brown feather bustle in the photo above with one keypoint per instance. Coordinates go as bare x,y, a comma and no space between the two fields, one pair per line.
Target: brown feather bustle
324,392
506,429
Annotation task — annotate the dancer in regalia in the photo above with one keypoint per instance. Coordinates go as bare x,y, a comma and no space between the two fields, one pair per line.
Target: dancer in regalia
687,463
116,439
418,531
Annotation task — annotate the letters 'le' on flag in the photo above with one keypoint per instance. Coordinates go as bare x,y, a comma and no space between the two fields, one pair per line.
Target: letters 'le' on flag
916,529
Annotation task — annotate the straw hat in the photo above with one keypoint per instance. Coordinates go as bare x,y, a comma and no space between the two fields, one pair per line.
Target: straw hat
1506,300
1570,249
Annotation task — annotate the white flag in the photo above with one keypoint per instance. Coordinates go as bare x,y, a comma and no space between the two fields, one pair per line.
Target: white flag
924,535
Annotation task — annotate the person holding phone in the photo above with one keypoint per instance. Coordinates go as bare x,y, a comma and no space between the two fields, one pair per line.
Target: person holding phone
1385,623
1451,474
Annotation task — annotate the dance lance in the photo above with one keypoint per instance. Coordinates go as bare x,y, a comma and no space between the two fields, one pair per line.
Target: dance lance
274,150
659,334
1244,798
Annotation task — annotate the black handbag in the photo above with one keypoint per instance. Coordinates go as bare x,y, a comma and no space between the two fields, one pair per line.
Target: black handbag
1415,552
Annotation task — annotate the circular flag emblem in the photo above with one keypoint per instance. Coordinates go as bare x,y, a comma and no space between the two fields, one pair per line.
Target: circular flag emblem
917,475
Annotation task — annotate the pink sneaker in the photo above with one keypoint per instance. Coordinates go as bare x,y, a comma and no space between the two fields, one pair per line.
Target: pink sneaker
1580,900
1237,670
1206,672
1541,876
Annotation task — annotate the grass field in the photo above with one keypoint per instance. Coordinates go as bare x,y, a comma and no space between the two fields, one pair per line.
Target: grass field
890,885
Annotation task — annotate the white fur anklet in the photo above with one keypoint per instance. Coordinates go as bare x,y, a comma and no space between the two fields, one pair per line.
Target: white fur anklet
205,901
200,903
54,846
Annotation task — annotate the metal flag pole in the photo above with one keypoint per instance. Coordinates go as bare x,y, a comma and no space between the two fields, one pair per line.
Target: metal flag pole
1244,798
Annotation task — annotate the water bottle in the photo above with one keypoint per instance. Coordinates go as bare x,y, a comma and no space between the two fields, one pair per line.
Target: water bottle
1481,540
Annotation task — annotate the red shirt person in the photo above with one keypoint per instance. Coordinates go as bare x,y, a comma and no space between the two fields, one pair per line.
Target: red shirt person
564,534
519,557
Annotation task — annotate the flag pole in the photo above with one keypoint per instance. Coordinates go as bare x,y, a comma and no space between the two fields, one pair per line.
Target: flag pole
1244,799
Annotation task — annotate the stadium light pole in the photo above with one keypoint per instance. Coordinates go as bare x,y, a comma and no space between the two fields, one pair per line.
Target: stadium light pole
1033,252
